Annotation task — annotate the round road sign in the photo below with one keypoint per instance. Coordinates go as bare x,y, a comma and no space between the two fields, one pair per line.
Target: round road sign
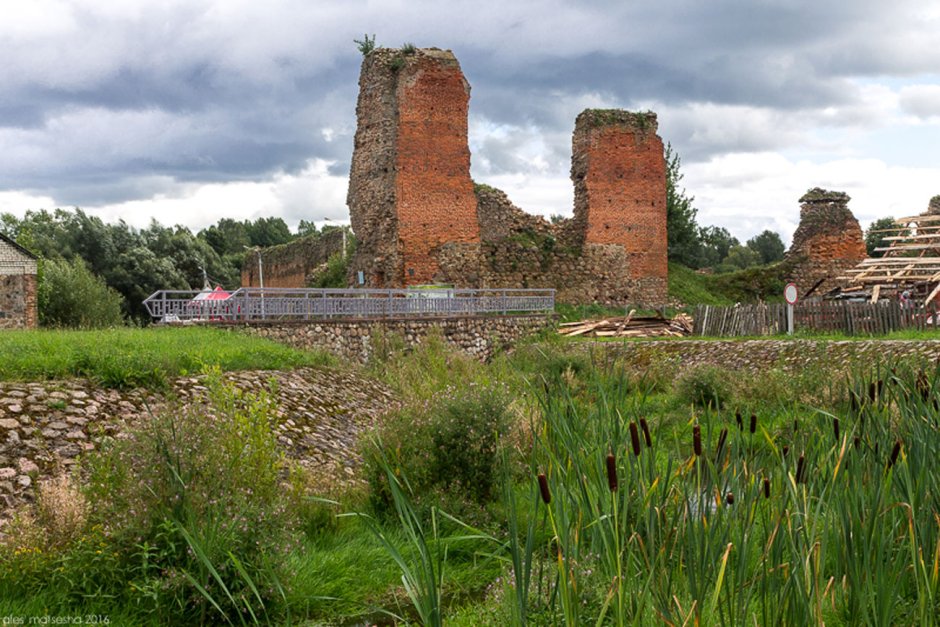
790,293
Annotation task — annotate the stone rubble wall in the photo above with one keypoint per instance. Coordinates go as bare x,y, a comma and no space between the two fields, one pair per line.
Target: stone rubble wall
356,340
46,426
18,284
295,264
761,355
827,243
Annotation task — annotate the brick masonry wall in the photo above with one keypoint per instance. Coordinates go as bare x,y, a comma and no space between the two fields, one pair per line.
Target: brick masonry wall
827,242
478,336
436,203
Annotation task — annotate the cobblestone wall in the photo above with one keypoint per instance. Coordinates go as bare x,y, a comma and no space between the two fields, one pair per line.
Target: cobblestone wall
479,336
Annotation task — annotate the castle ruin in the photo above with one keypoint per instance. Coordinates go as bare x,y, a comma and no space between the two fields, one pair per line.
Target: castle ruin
419,218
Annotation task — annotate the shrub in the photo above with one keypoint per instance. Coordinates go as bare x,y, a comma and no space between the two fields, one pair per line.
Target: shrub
446,449
70,295
190,517
705,385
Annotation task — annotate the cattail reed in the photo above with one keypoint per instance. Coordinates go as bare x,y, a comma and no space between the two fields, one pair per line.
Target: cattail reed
874,390
645,426
835,428
856,441
543,488
796,425
697,440
635,439
800,469
737,419
721,443
753,423
894,453
729,498
766,488
786,450
612,472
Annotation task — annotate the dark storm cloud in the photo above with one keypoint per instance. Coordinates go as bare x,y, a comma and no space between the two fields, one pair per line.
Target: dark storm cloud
210,92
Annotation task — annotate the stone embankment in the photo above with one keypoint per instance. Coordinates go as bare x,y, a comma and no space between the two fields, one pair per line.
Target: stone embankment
46,426
477,336
784,354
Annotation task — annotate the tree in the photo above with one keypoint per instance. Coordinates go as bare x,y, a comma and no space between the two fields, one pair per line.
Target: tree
268,232
70,295
684,237
874,240
768,246
306,228
717,242
740,257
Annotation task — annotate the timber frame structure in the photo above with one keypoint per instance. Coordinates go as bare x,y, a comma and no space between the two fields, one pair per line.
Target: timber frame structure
911,262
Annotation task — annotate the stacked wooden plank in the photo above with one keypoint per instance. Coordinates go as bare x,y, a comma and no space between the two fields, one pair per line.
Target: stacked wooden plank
630,325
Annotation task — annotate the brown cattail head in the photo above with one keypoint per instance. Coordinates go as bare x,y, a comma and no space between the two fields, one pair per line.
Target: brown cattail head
800,468
721,442
697,440
737,419
786,450
729,498
766,488
796,425
635,439
835,428
543,488
645,426
894,453
856,441
753,423
612,472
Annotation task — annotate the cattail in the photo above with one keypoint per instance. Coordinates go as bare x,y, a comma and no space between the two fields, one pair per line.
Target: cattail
800,468
786,450
796,426
611,472
856,441
645,426
634,439
697,440
753,423
894,453
729,498
721,443
874,390
543,488
737,418
835,428
766,488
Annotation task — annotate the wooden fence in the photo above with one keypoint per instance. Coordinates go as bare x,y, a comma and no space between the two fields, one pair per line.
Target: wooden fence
832,317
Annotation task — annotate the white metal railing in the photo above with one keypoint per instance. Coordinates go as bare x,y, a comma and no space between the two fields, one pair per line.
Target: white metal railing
254,303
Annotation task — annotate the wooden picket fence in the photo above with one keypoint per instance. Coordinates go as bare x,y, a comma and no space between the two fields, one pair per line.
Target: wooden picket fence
833,317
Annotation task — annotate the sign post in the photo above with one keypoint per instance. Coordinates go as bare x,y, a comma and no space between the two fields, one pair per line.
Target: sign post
791,295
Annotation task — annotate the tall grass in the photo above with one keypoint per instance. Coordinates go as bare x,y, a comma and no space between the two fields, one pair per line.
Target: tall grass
840,528
127,357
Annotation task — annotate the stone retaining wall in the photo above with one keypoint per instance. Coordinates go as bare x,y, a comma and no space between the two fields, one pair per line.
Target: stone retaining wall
758,355
478,336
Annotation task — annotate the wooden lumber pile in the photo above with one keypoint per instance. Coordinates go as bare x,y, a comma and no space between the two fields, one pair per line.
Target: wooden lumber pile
630,325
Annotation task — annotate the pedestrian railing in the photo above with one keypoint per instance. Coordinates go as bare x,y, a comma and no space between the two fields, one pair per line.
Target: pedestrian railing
253,303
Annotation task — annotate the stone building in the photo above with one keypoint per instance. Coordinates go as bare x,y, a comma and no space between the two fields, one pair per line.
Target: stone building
18,308
827,243
419,217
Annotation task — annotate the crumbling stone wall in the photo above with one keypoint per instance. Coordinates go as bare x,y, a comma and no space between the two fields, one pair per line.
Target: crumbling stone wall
295,264
18,304
410,190
419,219
827,242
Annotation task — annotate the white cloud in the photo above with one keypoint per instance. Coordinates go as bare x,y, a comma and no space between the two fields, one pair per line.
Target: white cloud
922,101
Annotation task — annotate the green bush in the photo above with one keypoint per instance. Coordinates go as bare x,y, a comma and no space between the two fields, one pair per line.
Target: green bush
70,295
447,450
190,522
705,385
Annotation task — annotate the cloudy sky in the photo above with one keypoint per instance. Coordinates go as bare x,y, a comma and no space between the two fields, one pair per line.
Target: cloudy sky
190,111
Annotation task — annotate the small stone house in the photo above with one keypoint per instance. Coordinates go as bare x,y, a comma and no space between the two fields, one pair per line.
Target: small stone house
18,282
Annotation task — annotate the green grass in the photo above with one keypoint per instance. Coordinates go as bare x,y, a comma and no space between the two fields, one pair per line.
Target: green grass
130,357
763,282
